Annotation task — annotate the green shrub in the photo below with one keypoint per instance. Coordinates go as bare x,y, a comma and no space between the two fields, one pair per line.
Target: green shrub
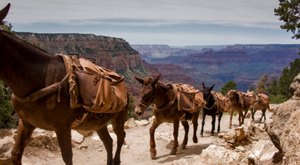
131,113
6,118
276,99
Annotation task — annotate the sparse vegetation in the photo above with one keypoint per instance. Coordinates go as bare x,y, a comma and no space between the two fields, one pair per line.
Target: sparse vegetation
278,89
228,86
288,12
6,119
131,107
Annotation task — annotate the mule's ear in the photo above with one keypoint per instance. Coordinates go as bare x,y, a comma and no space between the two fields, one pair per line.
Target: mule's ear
139,79
211,88
155,80
3,13
203,85
164,86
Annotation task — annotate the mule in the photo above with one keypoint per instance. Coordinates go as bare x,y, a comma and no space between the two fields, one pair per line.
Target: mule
26,69
210,109
236,106
240,102
262,103
165,109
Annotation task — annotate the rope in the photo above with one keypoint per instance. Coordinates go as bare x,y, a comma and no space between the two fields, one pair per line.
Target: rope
56,87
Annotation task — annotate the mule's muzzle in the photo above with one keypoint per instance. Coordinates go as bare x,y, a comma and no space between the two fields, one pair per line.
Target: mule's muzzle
138,110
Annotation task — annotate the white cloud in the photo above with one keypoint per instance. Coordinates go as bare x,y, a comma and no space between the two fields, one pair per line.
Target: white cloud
245,12
175,22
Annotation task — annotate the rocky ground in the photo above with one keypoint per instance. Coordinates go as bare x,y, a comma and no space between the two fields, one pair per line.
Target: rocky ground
238,145
274,142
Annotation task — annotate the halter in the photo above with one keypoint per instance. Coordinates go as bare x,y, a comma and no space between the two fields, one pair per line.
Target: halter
141,100
165,106
213,106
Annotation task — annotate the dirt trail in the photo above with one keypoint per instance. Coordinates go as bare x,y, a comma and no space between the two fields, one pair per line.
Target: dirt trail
136,150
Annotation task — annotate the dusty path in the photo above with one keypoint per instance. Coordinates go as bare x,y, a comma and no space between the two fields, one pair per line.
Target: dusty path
136,151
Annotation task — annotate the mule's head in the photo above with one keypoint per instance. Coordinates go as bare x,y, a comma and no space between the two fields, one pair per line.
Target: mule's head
250,97
207,92
147,94
3,13
233,97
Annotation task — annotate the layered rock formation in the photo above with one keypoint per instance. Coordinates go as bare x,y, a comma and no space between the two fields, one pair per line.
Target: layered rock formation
113,53
284,131
244,64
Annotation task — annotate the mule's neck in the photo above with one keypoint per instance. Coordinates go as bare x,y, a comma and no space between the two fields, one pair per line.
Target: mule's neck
210,100
163,97
23,67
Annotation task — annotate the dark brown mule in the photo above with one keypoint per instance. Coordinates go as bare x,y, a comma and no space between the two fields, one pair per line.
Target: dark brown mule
165,110
26,69
211,109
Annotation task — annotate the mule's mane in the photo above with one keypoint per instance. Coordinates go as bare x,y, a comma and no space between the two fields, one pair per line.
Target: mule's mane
24,44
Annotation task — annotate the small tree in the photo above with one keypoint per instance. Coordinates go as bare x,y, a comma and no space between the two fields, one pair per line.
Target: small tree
262,84
279,88
228,86
288,12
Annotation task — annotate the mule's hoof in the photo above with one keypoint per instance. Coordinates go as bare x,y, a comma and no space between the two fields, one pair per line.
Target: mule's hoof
183,146
153,154
173,152
117,162
195,139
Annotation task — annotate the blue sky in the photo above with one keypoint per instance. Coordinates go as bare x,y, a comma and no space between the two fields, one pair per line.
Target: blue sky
172,22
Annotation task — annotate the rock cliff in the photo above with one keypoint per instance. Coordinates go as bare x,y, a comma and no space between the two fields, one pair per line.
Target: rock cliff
113,53
284,131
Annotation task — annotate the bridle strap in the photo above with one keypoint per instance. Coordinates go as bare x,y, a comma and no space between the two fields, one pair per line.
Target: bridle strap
141,101
213,106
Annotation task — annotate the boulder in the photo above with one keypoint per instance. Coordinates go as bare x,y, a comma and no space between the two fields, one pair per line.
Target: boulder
214,154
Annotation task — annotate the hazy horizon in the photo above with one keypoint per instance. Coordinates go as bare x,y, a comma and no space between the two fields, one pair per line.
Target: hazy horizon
170,22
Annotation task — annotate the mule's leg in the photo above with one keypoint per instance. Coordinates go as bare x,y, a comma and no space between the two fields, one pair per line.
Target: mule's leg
108,143
195,124
253,111
152,129
213,123
263,115
118,126
241,118
245,114
65,144
230,121
175,135
186,133
203,123
24,133
219,121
